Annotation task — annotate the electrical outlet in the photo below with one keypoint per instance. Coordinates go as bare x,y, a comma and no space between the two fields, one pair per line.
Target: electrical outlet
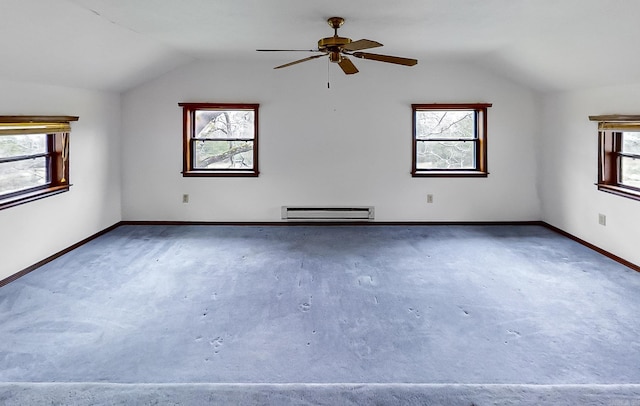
185,198
602,219
429,198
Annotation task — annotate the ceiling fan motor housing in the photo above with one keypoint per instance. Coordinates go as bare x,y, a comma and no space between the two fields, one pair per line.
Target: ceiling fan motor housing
325,44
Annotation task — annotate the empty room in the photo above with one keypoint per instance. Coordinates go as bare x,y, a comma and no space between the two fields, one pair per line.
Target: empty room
327,203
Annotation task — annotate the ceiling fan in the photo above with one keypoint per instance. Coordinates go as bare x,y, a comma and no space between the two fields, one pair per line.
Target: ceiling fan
339,48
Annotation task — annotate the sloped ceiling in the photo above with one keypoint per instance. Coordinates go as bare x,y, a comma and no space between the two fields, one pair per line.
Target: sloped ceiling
116,44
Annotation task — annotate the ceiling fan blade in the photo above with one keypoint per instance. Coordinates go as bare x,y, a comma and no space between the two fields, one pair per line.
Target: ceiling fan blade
287,50
299,61
386,58
361,44
347,66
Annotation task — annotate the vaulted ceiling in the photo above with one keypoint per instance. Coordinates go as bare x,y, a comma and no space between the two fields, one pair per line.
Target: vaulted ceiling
116,44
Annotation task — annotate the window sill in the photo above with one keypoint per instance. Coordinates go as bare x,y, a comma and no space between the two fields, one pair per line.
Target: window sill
620,191
448,174
220,174
31,196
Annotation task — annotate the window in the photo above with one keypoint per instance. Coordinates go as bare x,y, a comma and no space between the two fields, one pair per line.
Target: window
449,140
220,139
34,157
619,155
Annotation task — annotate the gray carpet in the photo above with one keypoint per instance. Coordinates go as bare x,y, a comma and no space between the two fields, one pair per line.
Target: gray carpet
482,312
317,394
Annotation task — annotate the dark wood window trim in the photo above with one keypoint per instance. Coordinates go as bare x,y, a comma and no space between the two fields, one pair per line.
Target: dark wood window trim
610,134
57,129
189,169
481,167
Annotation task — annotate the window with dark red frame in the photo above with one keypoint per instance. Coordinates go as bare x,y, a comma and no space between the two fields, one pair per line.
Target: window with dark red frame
34,157
449,140
220,139
619,155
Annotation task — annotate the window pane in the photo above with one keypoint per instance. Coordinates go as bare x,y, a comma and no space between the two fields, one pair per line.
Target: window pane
223,154
630,171
631,142
224,124
19,145
445,124
445,155
20,175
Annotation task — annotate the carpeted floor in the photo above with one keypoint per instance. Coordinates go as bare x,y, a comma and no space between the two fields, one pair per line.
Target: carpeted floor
514,307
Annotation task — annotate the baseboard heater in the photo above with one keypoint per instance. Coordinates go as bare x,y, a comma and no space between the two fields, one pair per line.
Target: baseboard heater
317,213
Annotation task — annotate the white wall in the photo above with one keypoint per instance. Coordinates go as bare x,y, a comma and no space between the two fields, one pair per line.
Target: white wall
36,230
568,160
348,145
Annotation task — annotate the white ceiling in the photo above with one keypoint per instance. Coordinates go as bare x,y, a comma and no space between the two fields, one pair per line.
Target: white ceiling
116,44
